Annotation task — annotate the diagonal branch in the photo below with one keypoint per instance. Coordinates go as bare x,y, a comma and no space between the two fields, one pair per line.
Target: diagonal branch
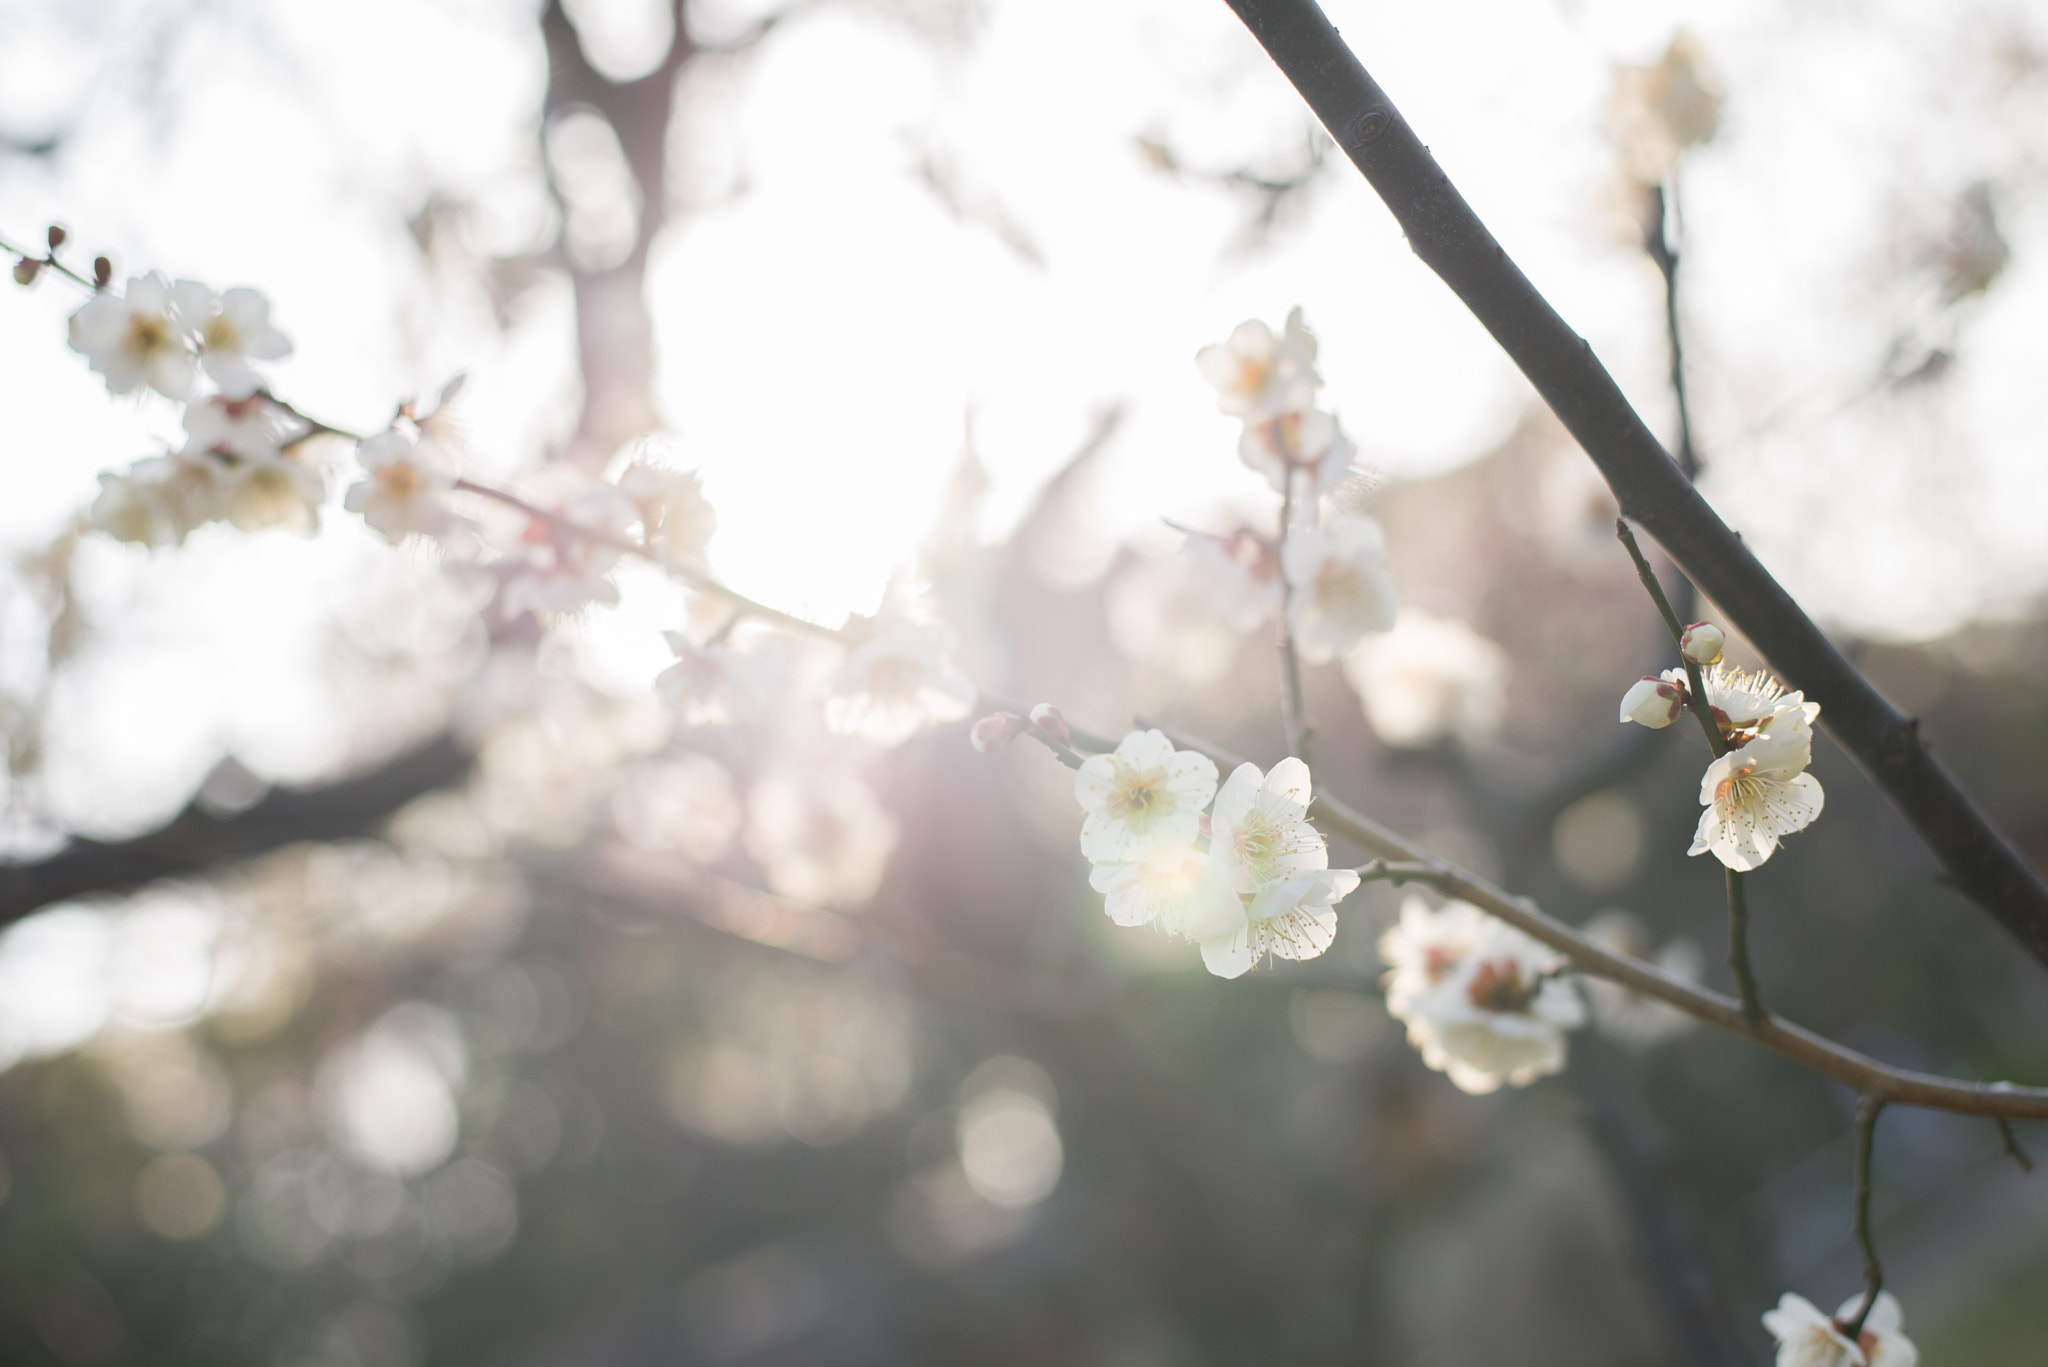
1652,490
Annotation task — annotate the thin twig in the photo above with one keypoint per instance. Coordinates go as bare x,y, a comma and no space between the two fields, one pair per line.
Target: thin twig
2012,1145
1697,685
1738,950
1867,1111
1294,712
1657,234
48,261
1650,487
1865,1075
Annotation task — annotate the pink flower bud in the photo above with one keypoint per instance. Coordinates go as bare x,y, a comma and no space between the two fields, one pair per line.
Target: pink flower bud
1053,721
1653,702
996,730
1702,643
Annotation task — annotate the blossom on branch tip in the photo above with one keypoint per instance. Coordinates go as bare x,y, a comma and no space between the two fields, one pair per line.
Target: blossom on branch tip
1661,110
1807,1338
1143,796
1743,701
405,492
1481,1000
898,683
1257,374
1308,441
136,338
158,501
1654,702
1340,589
1701,643
234,329
1756,795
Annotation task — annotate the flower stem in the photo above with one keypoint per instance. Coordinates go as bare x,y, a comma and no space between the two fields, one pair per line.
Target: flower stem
2012,1145
1695,684
1738,951
1293,711
47,261
1867,1110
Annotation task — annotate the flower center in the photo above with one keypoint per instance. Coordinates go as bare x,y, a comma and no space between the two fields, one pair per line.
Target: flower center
221,335
147,335
1340,589
1138,796
895,678
1257,843
1498,985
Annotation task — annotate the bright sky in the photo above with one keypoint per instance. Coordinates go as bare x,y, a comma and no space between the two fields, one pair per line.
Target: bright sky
825,326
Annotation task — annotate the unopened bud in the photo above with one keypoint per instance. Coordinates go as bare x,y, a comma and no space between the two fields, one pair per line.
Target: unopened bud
1653,702
1702,643
996,730
1052,721
57,236
26,269
102,272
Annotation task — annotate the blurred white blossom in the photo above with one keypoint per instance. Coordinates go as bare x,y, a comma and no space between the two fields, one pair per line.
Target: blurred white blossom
1175,889
820,834
898,683
1428,678
1478,997
158,501
556,570
405,490
136,338
709,684
274,491
676,520
1308,442
1624,1015
1257,374
1341,591
245,429
1807,1338
234,329
1239,573
1661,110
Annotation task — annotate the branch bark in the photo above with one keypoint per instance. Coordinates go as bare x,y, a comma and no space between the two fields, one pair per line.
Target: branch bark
1652,490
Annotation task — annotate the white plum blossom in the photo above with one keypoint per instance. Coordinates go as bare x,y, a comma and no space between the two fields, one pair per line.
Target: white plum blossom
709,684
1341,591
275,491
1239,573
1661,110
1807,1338
898,683
160,500
405,490
1626,1016
676,520
1702,643
1306,441
1654,702
1485,1010
1175,889
559,571
1257,374
1743,701
136,338
1267,851
245,429
234,329
1143,796
1759,793
1429,677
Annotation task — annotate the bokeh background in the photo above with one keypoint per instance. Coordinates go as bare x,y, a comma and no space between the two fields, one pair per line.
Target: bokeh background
445,1000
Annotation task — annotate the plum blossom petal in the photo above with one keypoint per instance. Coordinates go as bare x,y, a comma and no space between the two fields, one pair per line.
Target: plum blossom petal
895,685
136,338
234,329
1340,587
1756,795
1306,441
405,490
1144,796
1808,1338
1175,889
1257,374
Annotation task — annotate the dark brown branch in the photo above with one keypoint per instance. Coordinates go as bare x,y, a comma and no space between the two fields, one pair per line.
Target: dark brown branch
2012,1145
1651,488
1867,1111
196,840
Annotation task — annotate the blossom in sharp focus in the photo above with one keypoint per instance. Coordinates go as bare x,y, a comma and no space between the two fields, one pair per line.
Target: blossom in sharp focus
246,429
234,329
1340,588
1702,643
1742,701
1308,441
1239,573
1627,1017
709,684
1654,702
1267,851
676,520
1257,374
1144,796
1756,795
1807,1338
1493,1015
1428,678
405,490
897,684
135,338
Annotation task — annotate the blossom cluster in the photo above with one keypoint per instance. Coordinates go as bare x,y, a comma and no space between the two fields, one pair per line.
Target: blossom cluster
1483,1002
1807,1338
1758,792
1326,571
1247,878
